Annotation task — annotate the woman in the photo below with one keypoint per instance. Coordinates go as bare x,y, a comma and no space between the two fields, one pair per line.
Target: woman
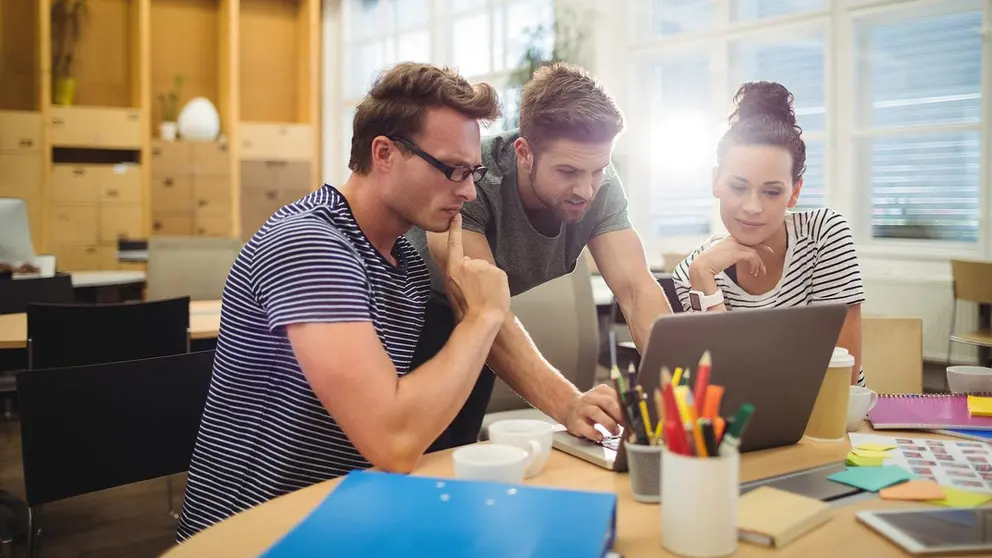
772,256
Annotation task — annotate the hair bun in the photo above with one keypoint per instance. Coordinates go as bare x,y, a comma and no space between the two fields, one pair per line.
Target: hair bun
764,98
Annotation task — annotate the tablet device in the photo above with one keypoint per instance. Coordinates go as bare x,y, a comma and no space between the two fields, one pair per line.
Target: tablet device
930,532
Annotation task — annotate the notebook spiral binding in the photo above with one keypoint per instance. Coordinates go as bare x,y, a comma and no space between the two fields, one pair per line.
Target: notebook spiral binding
932,395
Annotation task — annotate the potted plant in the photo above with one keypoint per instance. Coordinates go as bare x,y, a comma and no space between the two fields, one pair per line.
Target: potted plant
68,17
170,103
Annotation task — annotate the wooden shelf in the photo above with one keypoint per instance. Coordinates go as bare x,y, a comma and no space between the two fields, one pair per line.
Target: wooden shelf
277,73
257,61
20,52
108,56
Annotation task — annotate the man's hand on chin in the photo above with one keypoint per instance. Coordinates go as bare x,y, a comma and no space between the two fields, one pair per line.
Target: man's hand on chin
596,406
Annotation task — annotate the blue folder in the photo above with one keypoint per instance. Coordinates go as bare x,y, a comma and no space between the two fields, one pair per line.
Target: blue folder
383,514
968,434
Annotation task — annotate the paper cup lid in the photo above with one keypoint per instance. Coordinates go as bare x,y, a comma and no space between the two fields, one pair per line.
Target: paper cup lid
841,358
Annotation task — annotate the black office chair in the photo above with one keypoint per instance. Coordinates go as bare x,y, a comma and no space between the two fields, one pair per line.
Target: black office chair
148,412
77,334
15,295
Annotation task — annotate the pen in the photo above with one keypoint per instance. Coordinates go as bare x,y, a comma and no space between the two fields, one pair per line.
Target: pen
709,438
702,381
642,403
711,401
685,377
631,374
732,439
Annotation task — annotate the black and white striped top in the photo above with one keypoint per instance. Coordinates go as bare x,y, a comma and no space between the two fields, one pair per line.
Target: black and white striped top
821,265
264,432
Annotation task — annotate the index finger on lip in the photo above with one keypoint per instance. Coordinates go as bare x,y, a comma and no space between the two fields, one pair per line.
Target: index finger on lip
455,251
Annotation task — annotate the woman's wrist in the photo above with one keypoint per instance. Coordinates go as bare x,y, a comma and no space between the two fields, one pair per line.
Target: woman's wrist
701,279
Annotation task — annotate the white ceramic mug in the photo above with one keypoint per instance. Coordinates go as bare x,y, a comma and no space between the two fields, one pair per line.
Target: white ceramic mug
532,436
490,462
859,403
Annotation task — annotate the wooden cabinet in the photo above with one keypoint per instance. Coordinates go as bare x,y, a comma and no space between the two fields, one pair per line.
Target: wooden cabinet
93,207
191,189
276,141
95,127
268,185
21,165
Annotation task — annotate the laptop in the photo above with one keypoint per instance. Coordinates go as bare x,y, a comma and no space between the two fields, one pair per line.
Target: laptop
756,354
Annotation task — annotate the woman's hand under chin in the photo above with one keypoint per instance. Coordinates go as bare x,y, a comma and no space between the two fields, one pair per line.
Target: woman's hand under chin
726,253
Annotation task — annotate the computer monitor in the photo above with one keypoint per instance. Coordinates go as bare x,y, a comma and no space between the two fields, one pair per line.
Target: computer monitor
15,232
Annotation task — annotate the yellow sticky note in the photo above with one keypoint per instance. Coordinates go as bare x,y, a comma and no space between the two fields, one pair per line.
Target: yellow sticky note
980,406
869,453
957,498
860,461
876,447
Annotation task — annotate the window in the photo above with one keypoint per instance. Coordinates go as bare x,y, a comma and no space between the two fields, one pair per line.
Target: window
484,39
918,121
797,60
749,10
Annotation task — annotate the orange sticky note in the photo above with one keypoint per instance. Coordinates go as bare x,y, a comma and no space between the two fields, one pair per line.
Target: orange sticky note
914,490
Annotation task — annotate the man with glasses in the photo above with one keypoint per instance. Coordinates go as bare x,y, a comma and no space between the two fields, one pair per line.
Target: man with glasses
324,305
550,191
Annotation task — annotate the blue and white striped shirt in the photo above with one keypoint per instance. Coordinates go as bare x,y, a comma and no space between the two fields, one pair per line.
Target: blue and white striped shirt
264,432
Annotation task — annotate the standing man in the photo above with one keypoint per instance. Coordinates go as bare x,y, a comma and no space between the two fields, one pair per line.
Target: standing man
324,305
550,192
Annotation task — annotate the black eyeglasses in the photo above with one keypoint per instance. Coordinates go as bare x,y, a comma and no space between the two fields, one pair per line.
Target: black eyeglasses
455,174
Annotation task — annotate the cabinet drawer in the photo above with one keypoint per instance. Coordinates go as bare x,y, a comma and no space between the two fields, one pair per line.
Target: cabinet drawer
75,224
212,194
76,184
166,223
121,184
106,127
20,131
212,223
77,257
171,194
211,159
171,158
107,256
295,175
263,141
120,221
20,175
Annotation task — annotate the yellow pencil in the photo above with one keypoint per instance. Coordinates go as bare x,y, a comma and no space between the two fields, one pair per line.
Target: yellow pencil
642,403
677,376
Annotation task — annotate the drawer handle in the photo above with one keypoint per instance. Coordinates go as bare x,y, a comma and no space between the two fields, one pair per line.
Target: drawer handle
157,225
246,143
91,250
168,182
27,142
57,120
156,152
271,194
201,230
133,116
201,203
112,193
78,171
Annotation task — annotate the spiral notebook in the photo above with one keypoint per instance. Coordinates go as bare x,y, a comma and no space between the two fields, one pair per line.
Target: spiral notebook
926,412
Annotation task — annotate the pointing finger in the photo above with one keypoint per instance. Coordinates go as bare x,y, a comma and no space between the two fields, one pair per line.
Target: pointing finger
455,251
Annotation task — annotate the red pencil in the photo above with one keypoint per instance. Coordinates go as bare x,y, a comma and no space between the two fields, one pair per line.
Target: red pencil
676,440
702,380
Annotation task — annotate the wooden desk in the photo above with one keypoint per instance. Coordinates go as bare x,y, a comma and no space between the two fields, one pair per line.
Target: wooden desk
638,525
204,323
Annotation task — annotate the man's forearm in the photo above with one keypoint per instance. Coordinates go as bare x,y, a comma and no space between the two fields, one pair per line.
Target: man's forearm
428,398
641,311
516,359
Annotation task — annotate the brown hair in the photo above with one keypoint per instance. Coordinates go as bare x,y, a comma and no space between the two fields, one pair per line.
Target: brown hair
562,100
764,116
401,95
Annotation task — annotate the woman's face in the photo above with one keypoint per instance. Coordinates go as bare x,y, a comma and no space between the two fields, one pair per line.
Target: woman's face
754,186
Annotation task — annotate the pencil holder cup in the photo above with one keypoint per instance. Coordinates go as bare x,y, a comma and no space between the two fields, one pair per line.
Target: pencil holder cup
699,504
644,468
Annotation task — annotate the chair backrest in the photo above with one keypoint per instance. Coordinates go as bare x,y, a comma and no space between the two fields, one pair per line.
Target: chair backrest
89,428
191,266
16,294
892,354
972,280
560,317
80,334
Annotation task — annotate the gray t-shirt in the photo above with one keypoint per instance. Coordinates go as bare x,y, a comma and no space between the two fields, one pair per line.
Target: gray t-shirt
528,257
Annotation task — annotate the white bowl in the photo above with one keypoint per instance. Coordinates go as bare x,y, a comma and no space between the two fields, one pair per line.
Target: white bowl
969,379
